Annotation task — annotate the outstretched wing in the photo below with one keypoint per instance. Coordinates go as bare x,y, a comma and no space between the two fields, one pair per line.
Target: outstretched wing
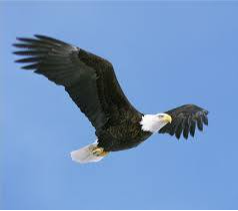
89,79
184,120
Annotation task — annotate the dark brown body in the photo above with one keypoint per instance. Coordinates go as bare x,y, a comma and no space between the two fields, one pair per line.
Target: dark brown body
121,137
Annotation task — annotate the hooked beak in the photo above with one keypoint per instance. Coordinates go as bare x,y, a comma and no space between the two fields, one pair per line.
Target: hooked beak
167,118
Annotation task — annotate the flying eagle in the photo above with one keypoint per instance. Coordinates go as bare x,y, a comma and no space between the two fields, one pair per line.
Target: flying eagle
92,84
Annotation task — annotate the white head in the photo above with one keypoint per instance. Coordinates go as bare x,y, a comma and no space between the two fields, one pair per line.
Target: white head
154,122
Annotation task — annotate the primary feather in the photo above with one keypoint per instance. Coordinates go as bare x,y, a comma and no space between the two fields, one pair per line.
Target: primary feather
185,118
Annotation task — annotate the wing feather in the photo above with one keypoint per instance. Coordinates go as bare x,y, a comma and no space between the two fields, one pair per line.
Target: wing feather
89,79
184,120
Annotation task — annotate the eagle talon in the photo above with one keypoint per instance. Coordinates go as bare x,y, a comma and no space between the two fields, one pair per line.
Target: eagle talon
99,152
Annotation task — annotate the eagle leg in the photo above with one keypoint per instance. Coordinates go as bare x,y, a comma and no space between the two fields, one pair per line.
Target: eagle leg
99,151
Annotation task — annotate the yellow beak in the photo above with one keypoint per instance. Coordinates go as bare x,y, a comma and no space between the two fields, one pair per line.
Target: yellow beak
167,118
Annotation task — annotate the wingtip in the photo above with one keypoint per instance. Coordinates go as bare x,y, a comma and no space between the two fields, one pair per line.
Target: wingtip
19,61
49,39
15,52
30,67
42,37
20,39
192,133
177,136
39,36
185,136
15,44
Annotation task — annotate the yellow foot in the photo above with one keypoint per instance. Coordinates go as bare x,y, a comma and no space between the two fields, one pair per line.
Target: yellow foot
99,152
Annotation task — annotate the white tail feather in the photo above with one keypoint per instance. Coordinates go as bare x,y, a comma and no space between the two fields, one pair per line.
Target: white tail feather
85,155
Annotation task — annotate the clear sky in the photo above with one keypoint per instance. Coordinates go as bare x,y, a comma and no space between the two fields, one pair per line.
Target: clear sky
165,54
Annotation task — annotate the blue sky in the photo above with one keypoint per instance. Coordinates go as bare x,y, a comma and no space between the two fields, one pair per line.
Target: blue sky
165,54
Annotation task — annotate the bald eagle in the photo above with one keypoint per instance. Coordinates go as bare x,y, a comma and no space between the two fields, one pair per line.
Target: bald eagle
92,84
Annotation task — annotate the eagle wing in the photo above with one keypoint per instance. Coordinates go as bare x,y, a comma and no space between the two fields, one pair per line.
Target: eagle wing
184,120
89,80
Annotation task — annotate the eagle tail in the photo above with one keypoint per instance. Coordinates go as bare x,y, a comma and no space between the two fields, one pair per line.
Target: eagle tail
89,153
